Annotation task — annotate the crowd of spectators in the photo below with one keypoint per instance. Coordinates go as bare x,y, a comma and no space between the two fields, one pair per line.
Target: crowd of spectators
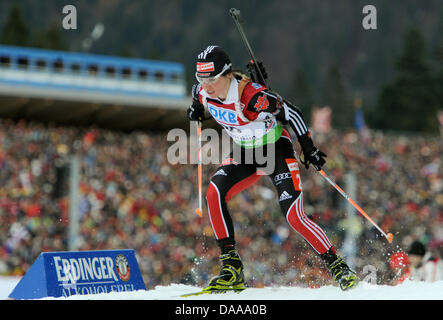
131,197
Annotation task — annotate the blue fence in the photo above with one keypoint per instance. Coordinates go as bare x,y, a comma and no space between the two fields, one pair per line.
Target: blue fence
49,68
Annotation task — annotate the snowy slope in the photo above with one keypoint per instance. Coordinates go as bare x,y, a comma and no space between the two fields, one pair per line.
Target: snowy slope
407,291
7,284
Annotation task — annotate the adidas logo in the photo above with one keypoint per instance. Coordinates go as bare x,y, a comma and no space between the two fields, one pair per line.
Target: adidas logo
285,196
220,172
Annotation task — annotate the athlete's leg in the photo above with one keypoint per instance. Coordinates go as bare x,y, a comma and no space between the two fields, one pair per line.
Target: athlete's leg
230,179
227,181
286,179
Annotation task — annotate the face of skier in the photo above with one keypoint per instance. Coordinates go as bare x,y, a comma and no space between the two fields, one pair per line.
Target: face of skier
218,88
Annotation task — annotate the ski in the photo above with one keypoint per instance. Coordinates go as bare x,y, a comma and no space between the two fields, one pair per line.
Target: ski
193,294
219,291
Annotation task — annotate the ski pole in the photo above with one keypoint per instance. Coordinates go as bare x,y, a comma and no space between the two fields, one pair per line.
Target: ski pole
199,168
388,236
235,14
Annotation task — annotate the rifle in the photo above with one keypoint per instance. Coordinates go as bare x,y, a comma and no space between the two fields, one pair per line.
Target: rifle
255,68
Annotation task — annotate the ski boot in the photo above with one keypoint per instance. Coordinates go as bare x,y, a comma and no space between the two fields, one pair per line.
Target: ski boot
231,276
342,274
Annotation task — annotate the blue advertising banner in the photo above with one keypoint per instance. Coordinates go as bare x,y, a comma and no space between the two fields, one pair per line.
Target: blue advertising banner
62,274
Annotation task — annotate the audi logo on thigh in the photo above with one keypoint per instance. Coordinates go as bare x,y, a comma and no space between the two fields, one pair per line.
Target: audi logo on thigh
282,176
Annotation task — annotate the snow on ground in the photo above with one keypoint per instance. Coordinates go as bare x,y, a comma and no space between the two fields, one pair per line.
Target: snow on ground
7,284
408,290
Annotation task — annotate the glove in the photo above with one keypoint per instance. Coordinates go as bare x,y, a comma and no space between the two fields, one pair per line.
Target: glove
196,111
315,157
311,154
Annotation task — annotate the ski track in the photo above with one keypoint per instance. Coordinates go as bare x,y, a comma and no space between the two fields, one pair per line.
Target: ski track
409,290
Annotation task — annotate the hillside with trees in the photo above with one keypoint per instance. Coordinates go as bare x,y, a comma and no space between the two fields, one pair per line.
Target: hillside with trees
316,53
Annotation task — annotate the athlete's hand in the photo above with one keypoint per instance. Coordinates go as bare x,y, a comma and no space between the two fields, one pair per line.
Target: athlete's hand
314,157
196,111
311,154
